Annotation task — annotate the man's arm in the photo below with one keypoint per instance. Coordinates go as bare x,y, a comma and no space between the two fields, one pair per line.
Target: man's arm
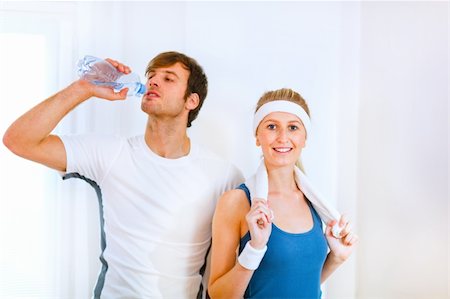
29,136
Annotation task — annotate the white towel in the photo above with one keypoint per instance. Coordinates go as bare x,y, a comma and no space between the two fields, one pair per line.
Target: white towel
258,184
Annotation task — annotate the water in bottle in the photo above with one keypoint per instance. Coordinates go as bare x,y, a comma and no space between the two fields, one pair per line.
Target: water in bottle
101,72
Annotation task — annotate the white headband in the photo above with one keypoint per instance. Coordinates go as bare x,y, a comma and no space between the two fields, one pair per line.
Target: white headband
281,106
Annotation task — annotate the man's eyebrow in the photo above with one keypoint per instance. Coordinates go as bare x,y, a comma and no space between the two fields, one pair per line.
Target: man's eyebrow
166,72
172,73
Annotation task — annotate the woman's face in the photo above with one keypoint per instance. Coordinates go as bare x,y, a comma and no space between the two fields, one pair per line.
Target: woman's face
282,137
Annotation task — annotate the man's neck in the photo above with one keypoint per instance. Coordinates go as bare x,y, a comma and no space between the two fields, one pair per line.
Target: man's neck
167,139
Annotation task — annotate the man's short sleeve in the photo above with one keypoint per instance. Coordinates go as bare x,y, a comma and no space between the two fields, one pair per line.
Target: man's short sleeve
91,155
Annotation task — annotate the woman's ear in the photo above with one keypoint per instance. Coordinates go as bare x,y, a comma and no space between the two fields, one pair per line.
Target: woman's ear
257,141
304,141
192,101
303,144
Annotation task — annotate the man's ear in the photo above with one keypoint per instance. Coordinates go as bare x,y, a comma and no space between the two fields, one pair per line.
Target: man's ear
192,101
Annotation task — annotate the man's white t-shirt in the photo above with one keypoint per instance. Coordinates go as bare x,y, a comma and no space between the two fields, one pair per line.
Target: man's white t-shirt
157,213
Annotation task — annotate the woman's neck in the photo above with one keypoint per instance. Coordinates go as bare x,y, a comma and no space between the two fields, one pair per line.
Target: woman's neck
281,180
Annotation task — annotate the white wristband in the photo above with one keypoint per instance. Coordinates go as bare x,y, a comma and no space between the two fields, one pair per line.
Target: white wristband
251,257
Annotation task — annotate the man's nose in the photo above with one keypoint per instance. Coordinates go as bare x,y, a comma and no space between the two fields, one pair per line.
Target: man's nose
153,82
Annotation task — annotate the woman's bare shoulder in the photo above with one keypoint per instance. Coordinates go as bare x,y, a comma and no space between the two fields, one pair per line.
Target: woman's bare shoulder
234,199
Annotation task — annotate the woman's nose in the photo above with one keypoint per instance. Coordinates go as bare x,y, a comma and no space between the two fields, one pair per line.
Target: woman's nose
282,135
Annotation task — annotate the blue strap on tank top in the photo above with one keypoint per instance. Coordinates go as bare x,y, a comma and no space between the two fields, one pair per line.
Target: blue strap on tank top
292,265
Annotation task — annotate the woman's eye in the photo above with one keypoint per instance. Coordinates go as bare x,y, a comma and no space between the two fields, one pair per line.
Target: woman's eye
293,128
271,127
168,79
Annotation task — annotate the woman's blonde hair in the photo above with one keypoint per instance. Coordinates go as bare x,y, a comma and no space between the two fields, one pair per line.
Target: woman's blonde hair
284,94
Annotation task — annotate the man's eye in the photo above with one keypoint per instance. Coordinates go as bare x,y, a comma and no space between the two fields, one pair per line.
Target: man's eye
168,79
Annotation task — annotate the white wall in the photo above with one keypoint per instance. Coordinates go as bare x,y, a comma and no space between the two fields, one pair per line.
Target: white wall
375,76
403,151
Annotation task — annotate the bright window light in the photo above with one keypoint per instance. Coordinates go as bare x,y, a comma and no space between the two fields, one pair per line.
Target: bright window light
26,213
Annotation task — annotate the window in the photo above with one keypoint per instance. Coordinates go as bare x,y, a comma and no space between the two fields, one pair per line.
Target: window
29,53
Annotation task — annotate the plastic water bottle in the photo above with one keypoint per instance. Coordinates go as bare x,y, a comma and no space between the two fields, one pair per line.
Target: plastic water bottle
101,72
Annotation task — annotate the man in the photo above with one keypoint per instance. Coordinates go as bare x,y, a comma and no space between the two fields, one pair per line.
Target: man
157,192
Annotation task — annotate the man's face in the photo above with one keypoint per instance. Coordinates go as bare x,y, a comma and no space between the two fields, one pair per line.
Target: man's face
166,88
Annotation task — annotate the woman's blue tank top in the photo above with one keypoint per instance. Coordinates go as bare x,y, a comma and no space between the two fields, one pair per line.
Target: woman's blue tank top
292,265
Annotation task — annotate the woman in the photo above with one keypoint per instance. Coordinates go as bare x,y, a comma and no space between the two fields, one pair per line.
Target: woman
282,247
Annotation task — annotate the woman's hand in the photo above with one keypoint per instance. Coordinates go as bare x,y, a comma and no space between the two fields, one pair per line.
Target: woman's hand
259,222
341,248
